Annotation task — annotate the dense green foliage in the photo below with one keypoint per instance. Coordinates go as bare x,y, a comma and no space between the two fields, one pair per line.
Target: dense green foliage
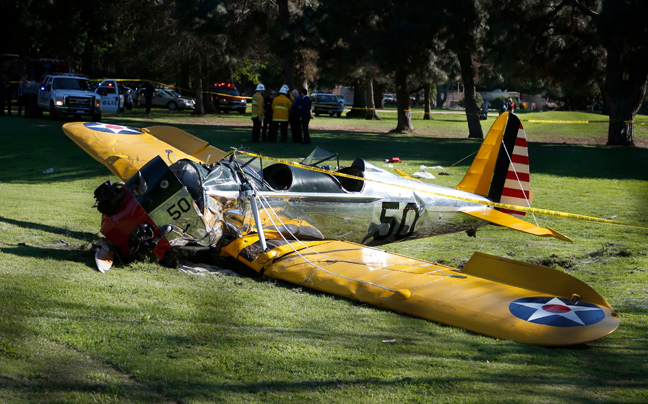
582,52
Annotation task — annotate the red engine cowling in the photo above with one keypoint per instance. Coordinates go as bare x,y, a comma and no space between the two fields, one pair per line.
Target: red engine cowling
132,231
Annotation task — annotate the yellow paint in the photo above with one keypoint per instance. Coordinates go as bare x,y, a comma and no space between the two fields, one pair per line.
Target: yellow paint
478,178
476,298
512,222
124,155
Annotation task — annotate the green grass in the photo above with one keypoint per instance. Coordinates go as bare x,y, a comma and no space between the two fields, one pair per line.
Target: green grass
145,333
445,124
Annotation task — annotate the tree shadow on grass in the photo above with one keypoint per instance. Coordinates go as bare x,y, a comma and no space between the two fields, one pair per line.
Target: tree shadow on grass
58,254
79,235
36,145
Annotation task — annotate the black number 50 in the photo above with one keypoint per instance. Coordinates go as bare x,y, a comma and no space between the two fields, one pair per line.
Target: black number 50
177,209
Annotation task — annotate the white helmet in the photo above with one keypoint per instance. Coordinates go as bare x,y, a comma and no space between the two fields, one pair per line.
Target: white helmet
284,89
260,87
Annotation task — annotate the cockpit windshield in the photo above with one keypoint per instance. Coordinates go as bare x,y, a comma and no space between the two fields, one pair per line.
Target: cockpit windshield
319,156
251,165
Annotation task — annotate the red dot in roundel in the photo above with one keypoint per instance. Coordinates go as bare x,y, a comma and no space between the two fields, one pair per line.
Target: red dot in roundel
114,127
556,308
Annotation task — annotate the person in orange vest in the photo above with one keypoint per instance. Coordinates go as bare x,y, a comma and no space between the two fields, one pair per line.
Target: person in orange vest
257,112
280,114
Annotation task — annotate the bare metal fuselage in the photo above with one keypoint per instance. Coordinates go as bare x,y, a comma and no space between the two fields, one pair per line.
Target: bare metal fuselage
380,209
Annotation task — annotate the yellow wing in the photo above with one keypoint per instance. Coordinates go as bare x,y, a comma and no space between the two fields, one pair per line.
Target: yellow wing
492,296
125,150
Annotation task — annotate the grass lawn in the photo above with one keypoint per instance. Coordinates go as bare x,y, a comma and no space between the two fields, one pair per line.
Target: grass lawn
142,333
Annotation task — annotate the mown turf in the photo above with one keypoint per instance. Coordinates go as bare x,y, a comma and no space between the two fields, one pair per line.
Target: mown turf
145,333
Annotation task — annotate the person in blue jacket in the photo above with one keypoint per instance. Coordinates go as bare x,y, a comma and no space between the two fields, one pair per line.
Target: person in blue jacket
305,112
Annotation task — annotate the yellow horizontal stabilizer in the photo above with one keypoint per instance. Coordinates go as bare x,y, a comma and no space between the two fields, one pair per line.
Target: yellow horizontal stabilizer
512,222
488,298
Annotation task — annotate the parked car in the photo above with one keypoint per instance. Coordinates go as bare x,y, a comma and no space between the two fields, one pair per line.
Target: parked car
328,104
227,98
389,99
164,99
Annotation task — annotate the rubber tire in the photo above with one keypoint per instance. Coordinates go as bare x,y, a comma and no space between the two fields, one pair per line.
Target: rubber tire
53,114
96,117
339,114
241,111
172,105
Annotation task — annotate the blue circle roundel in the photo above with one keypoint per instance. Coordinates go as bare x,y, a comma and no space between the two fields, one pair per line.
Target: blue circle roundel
114,129
556,311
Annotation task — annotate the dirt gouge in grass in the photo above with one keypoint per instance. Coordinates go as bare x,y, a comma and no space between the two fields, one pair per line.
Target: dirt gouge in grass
309,225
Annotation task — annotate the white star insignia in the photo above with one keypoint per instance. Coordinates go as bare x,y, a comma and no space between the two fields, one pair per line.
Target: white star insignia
556,307
112,128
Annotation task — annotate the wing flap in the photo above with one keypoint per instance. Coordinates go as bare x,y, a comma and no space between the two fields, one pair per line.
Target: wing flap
188,143
501,307
502,219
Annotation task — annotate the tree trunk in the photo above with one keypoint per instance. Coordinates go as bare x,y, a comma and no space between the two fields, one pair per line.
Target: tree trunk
472,109
624,95
198,86
371,113
379,100
287,62
426,93
403,103
359,101
208,100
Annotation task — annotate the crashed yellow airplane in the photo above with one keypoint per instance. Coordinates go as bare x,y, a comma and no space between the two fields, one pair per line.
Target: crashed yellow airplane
307,224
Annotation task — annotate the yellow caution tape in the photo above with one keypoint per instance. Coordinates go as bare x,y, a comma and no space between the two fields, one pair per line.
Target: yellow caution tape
543,212
367,109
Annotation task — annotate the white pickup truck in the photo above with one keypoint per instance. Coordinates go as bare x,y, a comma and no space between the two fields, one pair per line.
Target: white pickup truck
69,95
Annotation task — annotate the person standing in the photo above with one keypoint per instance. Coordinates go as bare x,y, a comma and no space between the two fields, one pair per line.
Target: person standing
295,118
267,116
511,106
23,88
485,107
280,114
257,111
305,112
149,90
5,95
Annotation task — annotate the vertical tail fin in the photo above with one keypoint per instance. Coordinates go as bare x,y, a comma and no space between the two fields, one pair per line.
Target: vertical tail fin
500,170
